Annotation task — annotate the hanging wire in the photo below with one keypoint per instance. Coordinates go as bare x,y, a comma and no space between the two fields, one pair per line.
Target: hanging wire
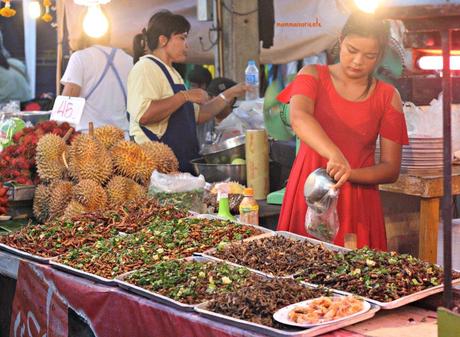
238,13
213,43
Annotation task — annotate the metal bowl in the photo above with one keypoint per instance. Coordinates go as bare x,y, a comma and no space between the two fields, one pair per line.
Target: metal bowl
224,152
220,172
316,190
33,116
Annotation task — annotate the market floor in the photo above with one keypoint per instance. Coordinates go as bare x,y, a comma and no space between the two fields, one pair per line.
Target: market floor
455,244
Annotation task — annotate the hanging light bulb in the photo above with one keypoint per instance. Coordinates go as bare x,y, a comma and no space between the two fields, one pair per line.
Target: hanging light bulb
34,9
368,6
95,23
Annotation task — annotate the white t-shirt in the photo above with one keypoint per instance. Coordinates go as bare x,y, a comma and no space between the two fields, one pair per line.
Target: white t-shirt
107,104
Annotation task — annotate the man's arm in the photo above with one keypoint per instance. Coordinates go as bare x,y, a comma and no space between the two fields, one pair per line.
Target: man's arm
71,89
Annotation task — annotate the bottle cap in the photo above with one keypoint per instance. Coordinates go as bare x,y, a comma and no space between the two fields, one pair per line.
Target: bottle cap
251,62
248,192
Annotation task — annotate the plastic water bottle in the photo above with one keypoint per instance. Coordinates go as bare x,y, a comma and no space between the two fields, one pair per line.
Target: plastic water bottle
252,80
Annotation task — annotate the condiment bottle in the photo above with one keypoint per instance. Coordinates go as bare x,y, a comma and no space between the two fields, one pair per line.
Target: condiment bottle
222,198
249,209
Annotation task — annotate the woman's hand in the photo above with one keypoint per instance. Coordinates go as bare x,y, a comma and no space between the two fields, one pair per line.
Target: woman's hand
338,168
198,96
238,90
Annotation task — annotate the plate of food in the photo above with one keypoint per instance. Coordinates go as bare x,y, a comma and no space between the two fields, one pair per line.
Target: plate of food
321,311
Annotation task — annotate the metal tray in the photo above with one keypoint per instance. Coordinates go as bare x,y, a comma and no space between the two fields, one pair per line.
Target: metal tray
25,255
291,332
92,277
327,245
287,235
400,301
120,281
18,192
216,217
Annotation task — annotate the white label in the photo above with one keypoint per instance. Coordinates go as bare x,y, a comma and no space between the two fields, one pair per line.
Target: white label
68,109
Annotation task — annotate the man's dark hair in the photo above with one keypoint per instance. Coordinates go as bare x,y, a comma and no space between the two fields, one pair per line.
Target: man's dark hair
200,75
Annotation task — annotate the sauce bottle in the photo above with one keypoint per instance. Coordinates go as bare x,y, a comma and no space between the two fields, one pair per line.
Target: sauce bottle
249,209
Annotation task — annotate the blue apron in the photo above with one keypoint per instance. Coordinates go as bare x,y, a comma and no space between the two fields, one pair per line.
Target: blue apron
180,134
109,65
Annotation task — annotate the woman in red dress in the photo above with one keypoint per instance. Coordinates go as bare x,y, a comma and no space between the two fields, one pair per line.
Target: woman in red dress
338,112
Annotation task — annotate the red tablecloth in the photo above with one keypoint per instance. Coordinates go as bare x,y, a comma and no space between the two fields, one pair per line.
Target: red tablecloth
44,294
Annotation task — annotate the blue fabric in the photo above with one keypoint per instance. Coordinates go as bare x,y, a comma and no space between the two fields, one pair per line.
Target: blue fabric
180,134
110,57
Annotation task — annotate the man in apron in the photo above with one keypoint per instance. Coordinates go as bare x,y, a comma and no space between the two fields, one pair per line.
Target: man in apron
99,74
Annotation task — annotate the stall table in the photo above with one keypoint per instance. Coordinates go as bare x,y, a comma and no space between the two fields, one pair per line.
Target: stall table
427,186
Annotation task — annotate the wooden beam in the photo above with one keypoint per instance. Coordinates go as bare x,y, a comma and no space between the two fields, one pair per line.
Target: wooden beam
240,29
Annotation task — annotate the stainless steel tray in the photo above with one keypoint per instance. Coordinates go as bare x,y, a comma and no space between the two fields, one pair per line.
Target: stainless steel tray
24,255
291,332
216,217
287,235
120,281
92,277
327,245
400,301
17,192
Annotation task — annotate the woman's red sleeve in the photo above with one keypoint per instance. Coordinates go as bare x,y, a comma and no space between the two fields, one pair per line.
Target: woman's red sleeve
393,126
306,85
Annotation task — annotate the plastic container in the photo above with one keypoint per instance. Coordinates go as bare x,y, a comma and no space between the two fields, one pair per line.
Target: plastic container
249,209
222,198
251,76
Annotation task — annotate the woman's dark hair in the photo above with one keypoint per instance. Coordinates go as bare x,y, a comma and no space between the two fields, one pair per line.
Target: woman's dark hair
367,25
161,23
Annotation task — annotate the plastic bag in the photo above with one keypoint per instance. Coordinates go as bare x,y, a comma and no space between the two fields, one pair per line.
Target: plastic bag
248,115
8,127
323,222
182,190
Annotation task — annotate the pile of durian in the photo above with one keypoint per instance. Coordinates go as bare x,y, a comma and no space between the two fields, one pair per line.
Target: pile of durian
96,170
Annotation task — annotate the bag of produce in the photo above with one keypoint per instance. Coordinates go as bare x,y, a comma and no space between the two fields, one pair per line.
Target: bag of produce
182,190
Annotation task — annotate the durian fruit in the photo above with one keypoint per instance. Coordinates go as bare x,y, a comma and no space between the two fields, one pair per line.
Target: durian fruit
121,189
130,160
89,159
90,194
108,135
73,209
41,203
164,157
49,156
60,196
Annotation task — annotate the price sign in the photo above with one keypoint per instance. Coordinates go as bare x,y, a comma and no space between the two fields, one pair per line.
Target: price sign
68,109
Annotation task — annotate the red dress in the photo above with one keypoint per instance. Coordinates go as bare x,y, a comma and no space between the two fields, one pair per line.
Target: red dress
354,128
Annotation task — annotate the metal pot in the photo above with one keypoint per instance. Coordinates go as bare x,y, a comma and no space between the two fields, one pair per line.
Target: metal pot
220,172
317,190
224,152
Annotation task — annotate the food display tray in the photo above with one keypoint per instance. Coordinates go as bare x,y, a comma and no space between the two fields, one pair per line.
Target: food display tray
216,217
120,281
77,272
400,301
25,255
291,332
287,235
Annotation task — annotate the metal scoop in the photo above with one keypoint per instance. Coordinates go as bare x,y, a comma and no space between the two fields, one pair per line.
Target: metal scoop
318,191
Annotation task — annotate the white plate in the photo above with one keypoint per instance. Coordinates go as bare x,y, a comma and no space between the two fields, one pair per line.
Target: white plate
5,217
282,314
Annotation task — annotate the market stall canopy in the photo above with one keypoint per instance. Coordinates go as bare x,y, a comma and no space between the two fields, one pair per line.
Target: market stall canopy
301,27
